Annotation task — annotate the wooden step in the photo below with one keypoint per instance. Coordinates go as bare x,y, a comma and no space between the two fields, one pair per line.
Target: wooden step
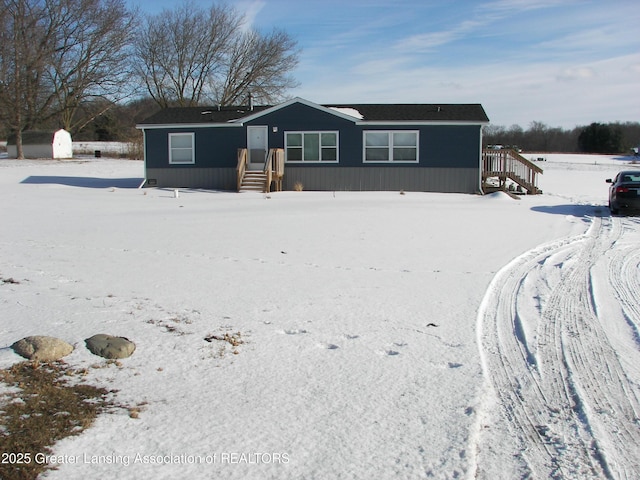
254,181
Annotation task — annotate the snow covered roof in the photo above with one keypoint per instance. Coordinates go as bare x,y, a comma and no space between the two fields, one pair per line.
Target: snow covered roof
352,112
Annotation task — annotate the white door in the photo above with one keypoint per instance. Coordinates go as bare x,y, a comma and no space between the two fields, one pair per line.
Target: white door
257,146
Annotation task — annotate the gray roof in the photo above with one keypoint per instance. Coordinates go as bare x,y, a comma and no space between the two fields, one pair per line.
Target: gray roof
177,115
414,112
450,112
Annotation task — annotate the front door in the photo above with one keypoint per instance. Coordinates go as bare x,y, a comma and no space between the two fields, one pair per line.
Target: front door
257,145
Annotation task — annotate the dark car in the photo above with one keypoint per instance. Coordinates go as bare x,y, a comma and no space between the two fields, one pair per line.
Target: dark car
624,192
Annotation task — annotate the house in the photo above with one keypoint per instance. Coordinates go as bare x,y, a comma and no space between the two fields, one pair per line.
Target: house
42,144
412,147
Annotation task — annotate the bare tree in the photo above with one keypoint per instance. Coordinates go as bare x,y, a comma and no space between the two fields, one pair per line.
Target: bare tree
538,133
259,64
91,60
179,51
25,47
55,54
189,55
541,138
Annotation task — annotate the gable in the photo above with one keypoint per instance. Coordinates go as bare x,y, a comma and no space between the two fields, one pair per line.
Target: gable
297,101
301,116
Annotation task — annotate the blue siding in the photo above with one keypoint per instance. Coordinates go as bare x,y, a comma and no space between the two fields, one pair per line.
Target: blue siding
299,117
447,146
215,147
442,147
450,146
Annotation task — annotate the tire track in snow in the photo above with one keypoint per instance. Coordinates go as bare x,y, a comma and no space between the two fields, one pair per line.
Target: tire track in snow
555,384
625,280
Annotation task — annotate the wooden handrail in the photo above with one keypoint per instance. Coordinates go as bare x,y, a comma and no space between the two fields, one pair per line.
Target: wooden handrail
242,165
528,163
268,170
274,168
510,164
503,155
279,162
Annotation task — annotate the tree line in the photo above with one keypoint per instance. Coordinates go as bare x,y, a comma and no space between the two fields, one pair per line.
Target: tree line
617,137
97,66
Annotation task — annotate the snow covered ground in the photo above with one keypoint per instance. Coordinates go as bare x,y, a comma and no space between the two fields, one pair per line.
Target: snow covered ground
385,335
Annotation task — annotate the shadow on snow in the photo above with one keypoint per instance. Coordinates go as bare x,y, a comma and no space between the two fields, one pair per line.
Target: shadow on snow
575,210
85,182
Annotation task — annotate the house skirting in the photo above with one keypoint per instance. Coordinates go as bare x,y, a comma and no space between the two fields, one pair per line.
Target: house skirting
412,179
192,177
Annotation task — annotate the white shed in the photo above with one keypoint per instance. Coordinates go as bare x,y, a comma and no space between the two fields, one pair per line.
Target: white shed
42,144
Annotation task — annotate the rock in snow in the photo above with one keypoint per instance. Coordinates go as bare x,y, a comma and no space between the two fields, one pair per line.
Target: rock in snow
108,346
42,348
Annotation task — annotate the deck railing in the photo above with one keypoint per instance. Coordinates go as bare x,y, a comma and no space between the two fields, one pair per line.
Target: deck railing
510,164
268,170
278,168
274,168
242,165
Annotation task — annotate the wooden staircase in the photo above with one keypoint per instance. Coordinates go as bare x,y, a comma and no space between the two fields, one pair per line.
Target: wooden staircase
261,180
253,181
509,164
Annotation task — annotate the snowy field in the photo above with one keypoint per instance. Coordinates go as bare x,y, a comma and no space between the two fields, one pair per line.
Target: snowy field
384,335
106,149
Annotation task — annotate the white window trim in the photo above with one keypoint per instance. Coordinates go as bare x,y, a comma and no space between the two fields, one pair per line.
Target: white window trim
193,148
320,132
390,147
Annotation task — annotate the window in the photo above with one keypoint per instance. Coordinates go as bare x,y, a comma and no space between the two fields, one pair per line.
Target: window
181,149
393,146
311,146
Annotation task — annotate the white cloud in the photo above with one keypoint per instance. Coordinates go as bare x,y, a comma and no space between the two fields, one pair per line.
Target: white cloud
511,94
589,41
575,73
508,6
379,67
250,10
561,62
427,41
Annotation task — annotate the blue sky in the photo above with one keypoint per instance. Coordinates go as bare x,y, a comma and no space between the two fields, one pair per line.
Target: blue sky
560,62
